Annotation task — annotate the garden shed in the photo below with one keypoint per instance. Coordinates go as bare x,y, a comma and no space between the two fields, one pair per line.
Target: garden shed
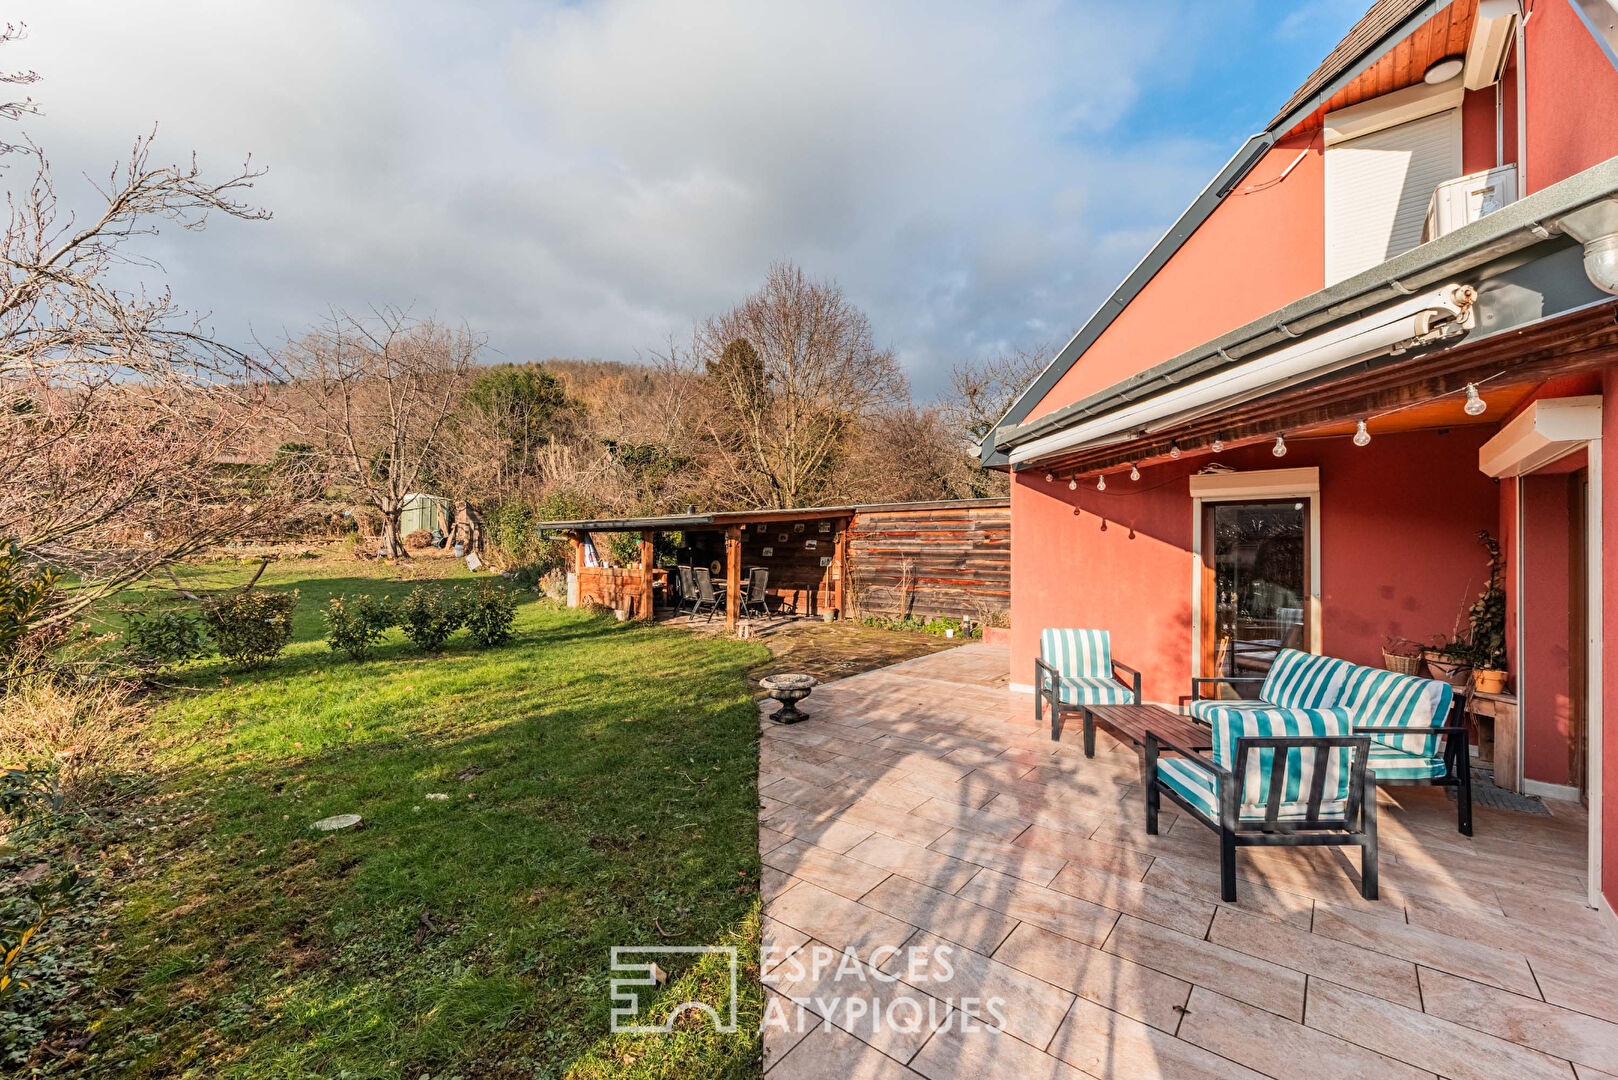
423,512
950,558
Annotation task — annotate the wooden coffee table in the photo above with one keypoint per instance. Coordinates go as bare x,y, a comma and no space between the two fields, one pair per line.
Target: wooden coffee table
1132,722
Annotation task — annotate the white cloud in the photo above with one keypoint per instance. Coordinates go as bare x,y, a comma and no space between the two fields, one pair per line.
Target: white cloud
586,179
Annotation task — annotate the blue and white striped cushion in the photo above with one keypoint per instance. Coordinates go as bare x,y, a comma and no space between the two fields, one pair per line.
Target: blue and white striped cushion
1391,764
1077,654
1199,788
1300,680
1202,709
1386,699
1231,724
1092,692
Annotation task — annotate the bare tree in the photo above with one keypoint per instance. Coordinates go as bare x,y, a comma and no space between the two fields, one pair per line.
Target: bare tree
380,396
791,370
982,390
119,415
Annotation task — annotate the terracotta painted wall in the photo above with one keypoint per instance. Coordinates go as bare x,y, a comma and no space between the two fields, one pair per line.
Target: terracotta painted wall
1263,248
1572,96
1546,705
1398,550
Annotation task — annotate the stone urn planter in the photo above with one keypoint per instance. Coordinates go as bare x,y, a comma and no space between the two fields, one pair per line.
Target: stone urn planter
788,690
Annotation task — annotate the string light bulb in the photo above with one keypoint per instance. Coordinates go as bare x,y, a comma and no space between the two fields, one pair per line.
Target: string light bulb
1050,478
1134,473
1101,483
1174,450
1361,436
1073,483
1280,447
1218,445
1475,405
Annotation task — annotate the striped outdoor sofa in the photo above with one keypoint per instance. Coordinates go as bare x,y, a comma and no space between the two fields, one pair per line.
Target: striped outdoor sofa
1075,668
1416,730
1278,776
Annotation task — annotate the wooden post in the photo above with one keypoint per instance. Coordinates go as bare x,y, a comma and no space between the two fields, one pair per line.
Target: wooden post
840,568
733,574
646,574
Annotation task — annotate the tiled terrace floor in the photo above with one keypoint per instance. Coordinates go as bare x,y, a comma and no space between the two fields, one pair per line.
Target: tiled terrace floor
921,807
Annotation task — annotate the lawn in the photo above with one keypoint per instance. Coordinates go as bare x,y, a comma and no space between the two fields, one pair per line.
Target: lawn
525,808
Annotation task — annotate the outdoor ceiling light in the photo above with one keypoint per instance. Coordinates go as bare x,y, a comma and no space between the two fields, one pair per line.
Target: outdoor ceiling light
1134,473
1475,405
1596,227
1361,436
1280,447
1444,70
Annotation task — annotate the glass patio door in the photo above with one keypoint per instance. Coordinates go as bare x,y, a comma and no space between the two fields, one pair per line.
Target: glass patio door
1256,583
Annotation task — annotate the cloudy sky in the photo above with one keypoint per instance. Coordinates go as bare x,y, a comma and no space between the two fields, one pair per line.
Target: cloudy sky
588,178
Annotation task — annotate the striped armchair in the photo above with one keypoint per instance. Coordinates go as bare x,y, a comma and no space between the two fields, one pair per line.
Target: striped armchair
1075,668
1415,738
1278,776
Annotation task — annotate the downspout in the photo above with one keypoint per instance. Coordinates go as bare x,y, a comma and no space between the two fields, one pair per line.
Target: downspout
1522,103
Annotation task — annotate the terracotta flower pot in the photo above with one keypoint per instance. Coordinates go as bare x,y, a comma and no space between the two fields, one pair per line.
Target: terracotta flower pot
1454,672
1489,680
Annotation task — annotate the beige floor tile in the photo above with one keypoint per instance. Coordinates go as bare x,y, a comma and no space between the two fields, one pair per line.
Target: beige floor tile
1231,972
891,821
976,927
772,883
1428,947
1082,851
828,831
1385,976
930,868
1111,981
836,920
1010,859
953,1054
1280,1047
785,1025
807,796
889,792
1176,911
1057,912
1200,884
769,839
1026,1007
778,941
942,789
1113,1047
1589,989
889,1015
1549,1028
990,824
1428,1042
836,1055
841,874
1586,1073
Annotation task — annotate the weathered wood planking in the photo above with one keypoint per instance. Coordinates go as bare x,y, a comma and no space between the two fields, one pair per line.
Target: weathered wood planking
929,563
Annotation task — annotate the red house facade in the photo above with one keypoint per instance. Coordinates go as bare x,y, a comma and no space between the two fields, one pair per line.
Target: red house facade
1388,325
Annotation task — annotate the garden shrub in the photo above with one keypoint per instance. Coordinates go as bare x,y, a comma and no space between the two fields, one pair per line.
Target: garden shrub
625,548
490,609
514,533
252,627
165,637
429,614
356,623
25,595
418,539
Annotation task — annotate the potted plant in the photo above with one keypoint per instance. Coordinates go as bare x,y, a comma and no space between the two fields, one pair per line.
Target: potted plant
1486,632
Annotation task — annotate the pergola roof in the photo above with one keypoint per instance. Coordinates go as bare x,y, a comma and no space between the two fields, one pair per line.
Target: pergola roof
722,518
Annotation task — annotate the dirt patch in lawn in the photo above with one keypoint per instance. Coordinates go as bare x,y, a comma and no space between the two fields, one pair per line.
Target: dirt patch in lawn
837,650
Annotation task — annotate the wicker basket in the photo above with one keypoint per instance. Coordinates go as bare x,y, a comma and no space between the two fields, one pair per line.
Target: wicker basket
1404,665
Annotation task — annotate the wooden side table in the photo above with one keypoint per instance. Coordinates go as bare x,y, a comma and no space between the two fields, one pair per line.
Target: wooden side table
1497,719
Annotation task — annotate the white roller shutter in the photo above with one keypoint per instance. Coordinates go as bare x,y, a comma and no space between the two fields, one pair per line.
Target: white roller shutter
1378,187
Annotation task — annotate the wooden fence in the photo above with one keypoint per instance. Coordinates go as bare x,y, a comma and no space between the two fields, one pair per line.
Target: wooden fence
934,561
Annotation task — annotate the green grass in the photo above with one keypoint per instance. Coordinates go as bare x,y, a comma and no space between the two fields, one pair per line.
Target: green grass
601,782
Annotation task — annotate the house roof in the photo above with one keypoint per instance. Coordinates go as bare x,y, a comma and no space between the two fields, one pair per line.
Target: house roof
1383,26
1384,17
721,518
1513,228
